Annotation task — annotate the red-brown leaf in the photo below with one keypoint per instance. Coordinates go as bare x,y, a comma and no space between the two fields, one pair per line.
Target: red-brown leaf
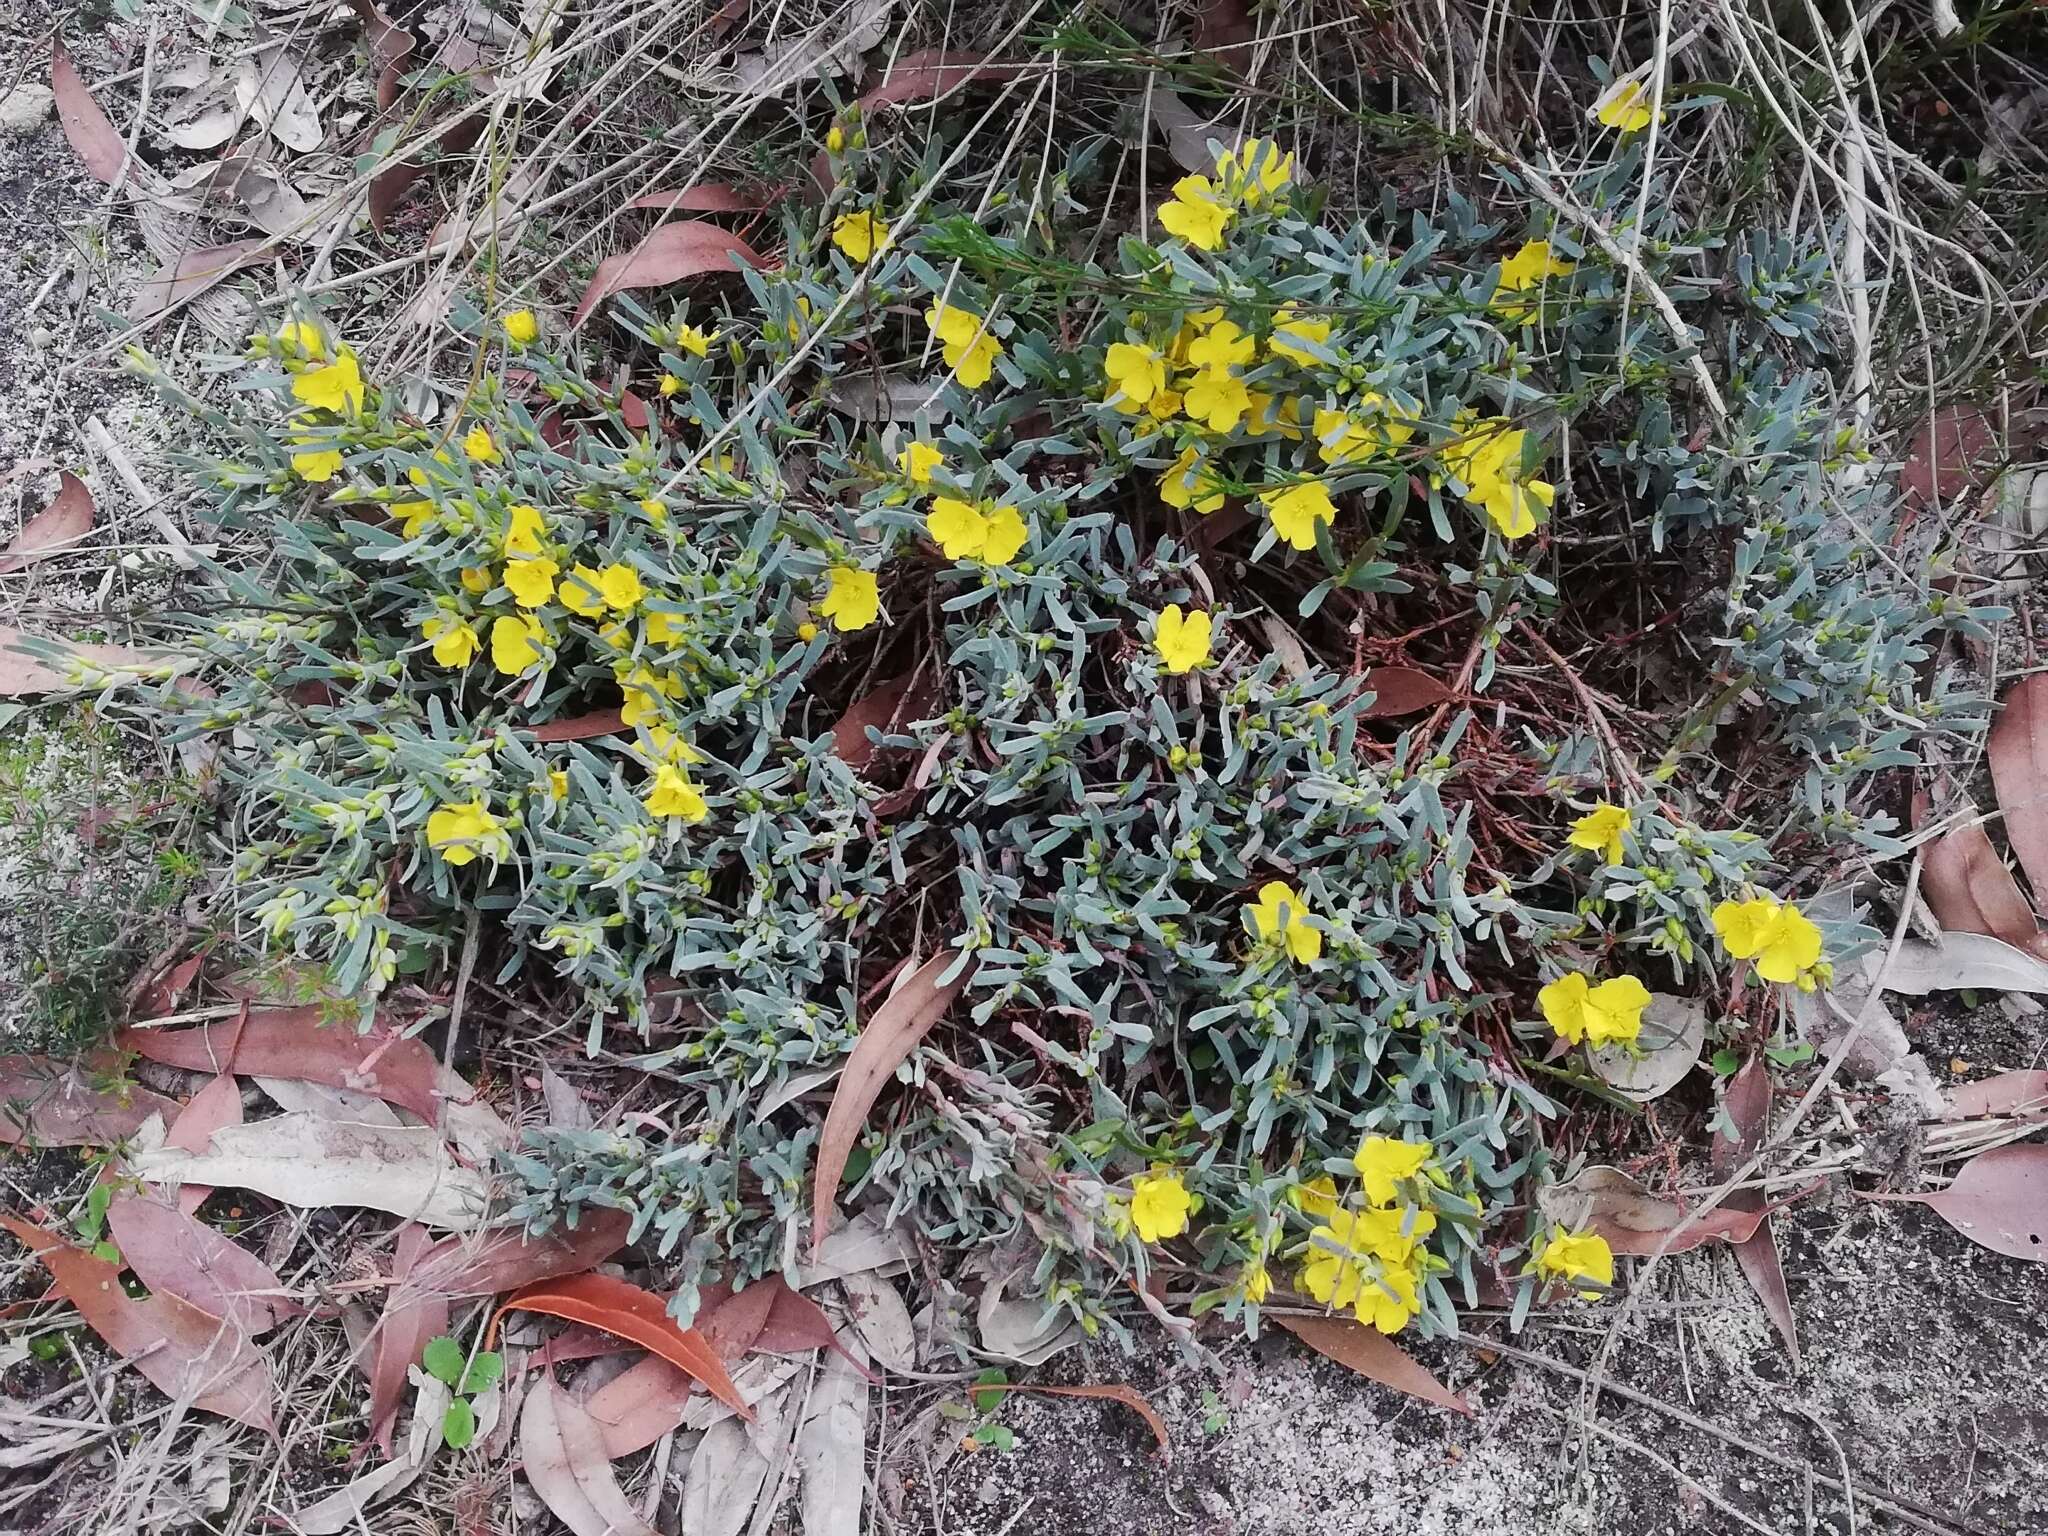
185,1352
1949,451
710,197
634,1314
1374,1356
1999,1200
191,275
602,722
171,1252
389,42
2018,749
1401,691
412,1316
389,186
67,519
1968,887
52,1103
22,673
640,1405
85,125
2022,1092
899,700
1748,1103
157,992
506,1259
796,1325
1222,28
1113,1391
933,72
295,1043
888,1039
217,1104
686,248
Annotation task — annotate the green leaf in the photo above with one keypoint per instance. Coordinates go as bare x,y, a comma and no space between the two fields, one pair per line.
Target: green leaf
443,1358
107,1252
985,1402
1726,1063
458,1424
998,1435
483,1372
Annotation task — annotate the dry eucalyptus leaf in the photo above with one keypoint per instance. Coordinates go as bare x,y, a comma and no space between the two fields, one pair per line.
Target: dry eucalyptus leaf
1021,1331
1632,1218
1674,1029
268,88
879,1315
832,49
1964,962
724,1480
831,1450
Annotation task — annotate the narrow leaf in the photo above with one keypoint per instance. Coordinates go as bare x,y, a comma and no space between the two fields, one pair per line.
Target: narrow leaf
2023,1092
711,197
490,1263
191,275
1748,1105
563,1458
686,248
219,1103
413,1322
67,519
177,1254
54,1104
603,722
1999,1200
2018,749
99,147
1374,1356
298,1043
1114,1391
631,1313
889,1038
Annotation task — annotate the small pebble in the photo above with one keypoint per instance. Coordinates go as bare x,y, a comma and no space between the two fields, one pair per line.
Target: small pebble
23,109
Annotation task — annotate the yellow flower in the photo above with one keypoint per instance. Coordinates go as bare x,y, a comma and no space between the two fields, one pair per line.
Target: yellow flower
669,387
1777,935
835,140
672,746
524,527
1381,1161
1271,416
1188,482
1223,345
1624,105
1489,461
1255,1281
1292,334
477,445
1576,1256
1343,1271
1297,510
666,628
851,598
580,591
531,582
459,832
1281,918
1165,404
477,579
1194,213
318,465
1159,1206
674,795
860,234
1528,268
1006,535
1182,640
1600,831
338,387
1218,398
1317,1198
695,342
1608,1014
455,641
1135,375
641,691
965,531
918,461
515,644
622,587
416,518
558,783
806,632
969,349
1257,171
656,510
304,337
522,327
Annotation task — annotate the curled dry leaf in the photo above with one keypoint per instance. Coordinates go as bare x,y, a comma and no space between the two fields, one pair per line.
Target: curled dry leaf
1963,962
412,1316
2009,1093
710,197
686,248
1635,1221
55,1104
1967,885
185,1352
631,1313
887,1040
99,147
890,705
1748,1106
832,48
299,1043
831,1447
67,519
177,1254
882,1319
504,1259
1674,1029
1374,1356
1999,1200
219,1103
310,1162
1021,1330
2018,750
563,1458
1402,691
1113,1391
269,89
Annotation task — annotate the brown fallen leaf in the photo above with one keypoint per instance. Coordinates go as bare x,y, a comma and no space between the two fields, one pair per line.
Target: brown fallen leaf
685,248
217,1104
1374,1356
1949,453
563,1456
157,989
899,700
191,275
67,519
1401,691
921,76
2023,1092
711,197
298,1043
1114,1391
54,1104
491,1263
1967,885
796,1324
412,1316
1635,1221
184,1352
174,1253
99,147
904,1019
2018,749
23,673
1998,1200
603,722
1748,1103
631,1313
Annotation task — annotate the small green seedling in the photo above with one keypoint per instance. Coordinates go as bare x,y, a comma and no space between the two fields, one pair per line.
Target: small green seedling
446,1360
92,1224
1216,1418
